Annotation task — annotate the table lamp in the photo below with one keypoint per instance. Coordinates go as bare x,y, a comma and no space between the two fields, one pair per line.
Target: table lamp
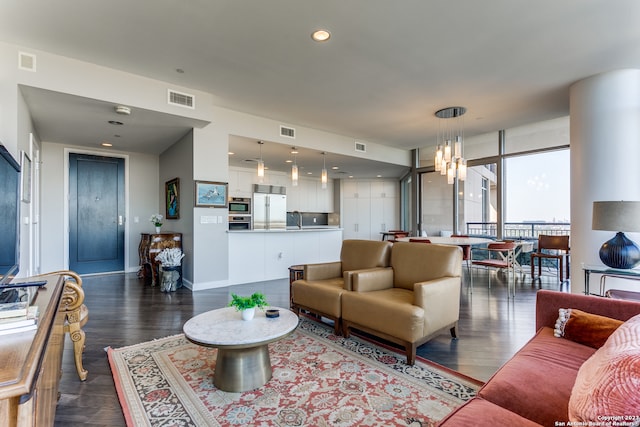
618,216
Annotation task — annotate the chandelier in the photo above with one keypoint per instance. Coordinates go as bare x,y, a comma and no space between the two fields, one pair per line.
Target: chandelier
449,158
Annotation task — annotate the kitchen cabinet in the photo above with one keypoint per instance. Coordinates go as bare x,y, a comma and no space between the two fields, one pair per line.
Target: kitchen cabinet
368,207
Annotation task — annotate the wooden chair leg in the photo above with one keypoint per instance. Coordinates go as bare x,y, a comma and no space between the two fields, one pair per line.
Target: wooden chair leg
78,338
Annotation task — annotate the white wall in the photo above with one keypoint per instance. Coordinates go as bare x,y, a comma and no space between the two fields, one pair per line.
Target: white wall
177,162
605,130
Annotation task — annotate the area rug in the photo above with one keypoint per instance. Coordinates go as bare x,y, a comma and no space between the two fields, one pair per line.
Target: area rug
319,379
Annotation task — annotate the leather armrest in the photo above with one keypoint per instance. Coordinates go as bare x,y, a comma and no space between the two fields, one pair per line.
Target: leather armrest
323,271
440,300
373,279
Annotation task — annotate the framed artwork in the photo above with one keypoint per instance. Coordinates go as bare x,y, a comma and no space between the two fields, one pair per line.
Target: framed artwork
172,198
211,194
25,177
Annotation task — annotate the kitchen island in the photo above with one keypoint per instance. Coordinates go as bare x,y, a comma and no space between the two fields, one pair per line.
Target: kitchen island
259,255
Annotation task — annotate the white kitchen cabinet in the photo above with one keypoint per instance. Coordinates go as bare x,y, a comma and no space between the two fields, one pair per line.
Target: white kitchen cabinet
368,207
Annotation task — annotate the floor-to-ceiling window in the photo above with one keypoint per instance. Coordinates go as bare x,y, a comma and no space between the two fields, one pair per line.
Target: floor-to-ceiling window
534,163
537,194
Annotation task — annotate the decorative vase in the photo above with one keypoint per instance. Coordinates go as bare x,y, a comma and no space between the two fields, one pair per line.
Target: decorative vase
620,252
158,230
248,313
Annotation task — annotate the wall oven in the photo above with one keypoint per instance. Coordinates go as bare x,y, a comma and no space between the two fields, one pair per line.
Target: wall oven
239,222
239,206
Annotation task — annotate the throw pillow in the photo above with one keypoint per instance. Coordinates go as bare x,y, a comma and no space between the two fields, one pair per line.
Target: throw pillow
606,388
584,328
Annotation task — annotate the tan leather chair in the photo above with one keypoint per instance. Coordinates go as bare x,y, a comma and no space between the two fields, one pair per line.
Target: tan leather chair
323,284
415,300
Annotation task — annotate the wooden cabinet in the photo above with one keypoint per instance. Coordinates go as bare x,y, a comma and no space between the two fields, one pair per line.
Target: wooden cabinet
150,246
32,363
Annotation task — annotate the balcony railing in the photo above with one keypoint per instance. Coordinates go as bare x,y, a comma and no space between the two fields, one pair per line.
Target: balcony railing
519,230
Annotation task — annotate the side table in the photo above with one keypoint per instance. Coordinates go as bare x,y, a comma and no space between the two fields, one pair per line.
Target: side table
296,272
631,274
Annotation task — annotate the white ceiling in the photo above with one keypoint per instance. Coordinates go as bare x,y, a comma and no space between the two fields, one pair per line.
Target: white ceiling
386,69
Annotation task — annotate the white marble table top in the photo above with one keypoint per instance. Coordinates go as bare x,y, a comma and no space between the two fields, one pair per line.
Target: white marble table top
225,327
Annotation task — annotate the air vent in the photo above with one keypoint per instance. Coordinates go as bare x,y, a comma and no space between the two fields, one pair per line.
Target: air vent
181,99
361,147
26,61
287,132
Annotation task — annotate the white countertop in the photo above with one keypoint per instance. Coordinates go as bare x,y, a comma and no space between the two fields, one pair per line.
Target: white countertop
290,230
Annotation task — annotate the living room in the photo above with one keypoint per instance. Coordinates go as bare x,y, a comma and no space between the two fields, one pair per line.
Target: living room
196,140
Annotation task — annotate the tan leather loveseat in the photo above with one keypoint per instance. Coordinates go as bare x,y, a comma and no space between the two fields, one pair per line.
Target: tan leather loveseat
415,300
323,285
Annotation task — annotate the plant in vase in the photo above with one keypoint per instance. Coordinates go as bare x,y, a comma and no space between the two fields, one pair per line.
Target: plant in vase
156,220
247,305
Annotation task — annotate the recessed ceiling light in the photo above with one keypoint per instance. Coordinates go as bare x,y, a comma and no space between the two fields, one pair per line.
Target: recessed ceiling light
288,161
115,122
321,35
107,144
231,153
179,71
335,168
309,173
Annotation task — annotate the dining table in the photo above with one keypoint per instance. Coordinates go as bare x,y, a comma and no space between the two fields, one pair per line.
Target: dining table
456,241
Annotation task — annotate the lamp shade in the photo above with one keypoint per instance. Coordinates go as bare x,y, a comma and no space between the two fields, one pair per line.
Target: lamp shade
616,216
619,216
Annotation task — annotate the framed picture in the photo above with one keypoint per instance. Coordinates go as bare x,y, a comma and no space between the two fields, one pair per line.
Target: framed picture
25,177
211,194
172,198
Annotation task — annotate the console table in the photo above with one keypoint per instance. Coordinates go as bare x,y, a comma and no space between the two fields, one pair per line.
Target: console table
631,274
151,244
32,362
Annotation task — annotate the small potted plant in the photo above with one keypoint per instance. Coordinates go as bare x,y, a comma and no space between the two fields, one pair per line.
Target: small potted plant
156,220
247,305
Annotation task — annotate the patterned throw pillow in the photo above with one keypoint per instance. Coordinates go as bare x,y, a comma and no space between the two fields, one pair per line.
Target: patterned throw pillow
584,328
606,388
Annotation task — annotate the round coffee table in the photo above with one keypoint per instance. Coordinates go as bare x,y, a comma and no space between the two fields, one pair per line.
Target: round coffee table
243,355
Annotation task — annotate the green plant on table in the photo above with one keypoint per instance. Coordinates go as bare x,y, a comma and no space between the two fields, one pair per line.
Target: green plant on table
242,303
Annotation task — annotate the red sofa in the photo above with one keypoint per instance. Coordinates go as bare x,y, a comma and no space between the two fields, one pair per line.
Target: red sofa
533,388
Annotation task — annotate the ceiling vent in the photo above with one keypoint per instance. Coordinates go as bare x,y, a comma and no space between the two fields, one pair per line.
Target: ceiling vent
287,132
361,147
181,99
26,61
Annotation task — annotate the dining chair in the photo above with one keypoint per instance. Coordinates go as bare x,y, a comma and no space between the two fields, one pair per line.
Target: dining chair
498,256
551,247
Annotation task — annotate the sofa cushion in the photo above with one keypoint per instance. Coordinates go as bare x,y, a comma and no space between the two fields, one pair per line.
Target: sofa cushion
320,295
480,413
536,383
584,328
607,384
417,262
390,311
360,254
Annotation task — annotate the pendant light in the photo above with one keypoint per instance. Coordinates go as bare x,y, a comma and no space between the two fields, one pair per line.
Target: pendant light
294,168
323,176
449,158
260,165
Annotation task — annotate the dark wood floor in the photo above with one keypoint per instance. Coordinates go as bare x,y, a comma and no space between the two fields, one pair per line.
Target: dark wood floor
123,311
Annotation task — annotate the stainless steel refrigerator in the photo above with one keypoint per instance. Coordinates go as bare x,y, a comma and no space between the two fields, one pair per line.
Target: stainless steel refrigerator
269,211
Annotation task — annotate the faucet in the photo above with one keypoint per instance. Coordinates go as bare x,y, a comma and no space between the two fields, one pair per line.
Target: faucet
299,221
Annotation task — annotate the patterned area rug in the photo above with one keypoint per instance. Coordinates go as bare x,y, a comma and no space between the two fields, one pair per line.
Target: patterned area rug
319,379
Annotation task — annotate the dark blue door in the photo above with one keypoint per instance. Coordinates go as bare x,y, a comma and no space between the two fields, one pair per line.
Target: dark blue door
96,213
